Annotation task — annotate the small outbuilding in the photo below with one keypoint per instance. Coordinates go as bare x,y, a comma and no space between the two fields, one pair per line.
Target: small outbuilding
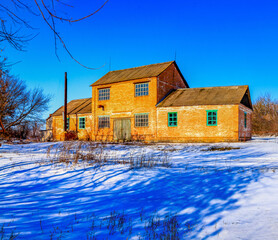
79,120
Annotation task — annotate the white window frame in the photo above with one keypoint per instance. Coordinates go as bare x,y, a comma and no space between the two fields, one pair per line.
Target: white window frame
105,122
140,119
141,89
104,94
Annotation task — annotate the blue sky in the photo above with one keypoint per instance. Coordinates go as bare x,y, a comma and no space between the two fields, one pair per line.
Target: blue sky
217,43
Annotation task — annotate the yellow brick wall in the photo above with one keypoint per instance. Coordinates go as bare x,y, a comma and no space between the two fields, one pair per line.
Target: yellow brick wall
58,129
124,104
83,134
192,124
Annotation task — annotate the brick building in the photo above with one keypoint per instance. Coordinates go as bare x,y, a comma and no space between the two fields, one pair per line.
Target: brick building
155,103
79,120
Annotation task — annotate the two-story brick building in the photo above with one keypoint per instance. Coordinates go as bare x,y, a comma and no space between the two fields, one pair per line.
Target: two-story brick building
155,103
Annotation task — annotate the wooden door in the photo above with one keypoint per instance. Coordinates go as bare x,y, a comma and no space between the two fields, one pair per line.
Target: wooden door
122,129
126,129
117,129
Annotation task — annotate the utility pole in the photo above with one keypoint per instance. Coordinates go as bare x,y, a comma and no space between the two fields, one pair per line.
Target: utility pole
65,103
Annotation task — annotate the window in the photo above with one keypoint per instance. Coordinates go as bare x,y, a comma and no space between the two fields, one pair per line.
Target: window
172,119
103,122
211,117
104,94
245,119
68,123
141,89
82,124
142,120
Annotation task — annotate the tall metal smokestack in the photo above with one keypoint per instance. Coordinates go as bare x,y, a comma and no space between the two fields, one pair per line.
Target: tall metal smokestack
65,103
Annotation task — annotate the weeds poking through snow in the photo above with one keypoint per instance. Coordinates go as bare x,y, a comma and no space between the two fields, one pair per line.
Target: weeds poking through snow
72,153
167,228
41,225
11,235
117,224
145,160
95,154
216,148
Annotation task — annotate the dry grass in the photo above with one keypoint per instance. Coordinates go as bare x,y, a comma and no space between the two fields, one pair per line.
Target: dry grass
113,225
221,148
11,235
96,154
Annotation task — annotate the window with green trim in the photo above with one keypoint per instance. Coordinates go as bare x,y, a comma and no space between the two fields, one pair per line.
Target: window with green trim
68,123
211,117
172,119
141,120
82,123
245,119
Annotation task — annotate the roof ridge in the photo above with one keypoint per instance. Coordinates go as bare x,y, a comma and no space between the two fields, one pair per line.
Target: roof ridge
213,87
79,99
141,66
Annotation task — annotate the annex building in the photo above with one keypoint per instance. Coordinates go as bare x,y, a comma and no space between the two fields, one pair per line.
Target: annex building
154,103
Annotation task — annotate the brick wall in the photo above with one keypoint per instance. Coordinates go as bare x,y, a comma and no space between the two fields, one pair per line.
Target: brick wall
192,124
245,133
168,80
124,104
83,134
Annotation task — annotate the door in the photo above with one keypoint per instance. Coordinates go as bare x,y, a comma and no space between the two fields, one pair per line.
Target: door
122,129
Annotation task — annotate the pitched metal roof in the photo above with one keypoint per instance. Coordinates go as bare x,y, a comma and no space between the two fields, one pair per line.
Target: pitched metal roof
77,106
207,96
152,70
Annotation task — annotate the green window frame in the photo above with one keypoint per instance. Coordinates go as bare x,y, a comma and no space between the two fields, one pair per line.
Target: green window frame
172,119
212,117
82,122
141,119
245,119
68,123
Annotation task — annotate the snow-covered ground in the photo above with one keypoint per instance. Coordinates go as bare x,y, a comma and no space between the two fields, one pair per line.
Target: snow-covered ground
201,195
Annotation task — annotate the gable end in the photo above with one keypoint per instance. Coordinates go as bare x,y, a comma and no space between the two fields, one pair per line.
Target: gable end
246,100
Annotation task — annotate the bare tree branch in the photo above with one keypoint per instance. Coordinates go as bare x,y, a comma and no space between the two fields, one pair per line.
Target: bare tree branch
17,104
265,115
70,19
10,17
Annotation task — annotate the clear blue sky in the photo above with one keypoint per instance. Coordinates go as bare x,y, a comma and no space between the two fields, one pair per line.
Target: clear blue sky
217,43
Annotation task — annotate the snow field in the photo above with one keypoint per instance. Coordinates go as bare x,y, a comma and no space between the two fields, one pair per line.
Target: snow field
201,195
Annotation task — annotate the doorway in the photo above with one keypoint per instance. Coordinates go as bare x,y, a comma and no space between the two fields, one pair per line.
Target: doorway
122,129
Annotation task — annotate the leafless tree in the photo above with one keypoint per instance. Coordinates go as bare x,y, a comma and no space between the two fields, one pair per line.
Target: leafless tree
15,16
265,115
18,105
